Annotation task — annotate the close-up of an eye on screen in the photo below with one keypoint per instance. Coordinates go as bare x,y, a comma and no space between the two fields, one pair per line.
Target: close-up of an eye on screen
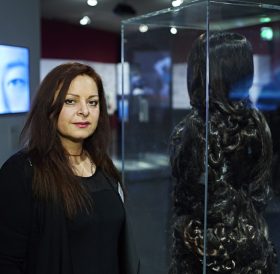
14,79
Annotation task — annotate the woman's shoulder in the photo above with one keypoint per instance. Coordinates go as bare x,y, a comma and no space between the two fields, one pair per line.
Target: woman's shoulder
20,157
109,178
176,137
181,127
16,168
115,184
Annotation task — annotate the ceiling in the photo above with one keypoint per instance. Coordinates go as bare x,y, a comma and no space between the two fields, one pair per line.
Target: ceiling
101,15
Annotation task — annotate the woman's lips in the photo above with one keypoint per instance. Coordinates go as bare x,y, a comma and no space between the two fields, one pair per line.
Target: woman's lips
82,124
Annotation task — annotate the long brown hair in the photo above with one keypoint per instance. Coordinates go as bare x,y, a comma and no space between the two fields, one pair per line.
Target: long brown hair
53,179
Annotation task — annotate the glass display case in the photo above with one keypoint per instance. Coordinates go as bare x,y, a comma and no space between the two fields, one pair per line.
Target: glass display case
217,168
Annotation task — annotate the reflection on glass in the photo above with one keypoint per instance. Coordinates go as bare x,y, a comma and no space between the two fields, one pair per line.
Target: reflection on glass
14,79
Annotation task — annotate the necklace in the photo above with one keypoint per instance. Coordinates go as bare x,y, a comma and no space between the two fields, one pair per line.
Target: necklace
76,155
85,167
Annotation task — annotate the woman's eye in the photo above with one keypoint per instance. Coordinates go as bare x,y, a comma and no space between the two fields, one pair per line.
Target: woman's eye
93,103
16,82
69,101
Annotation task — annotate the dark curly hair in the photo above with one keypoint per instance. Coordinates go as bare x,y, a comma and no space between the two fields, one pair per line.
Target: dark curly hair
239,154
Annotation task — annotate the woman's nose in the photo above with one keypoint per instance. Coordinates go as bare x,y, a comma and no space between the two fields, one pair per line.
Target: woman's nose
83,109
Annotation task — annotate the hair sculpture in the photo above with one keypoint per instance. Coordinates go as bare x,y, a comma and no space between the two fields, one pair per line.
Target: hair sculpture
239,161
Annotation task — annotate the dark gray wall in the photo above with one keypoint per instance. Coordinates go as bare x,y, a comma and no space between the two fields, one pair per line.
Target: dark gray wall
19,25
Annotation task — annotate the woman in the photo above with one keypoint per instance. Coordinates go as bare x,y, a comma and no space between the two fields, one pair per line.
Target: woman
238,170
61,206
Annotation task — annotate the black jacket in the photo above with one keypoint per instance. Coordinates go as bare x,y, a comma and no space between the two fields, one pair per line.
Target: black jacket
33,234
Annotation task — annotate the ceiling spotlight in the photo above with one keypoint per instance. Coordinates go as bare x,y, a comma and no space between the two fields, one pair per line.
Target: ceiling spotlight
85,21
123,9
173,30
267,33
143,28
265,19
92,3
177,3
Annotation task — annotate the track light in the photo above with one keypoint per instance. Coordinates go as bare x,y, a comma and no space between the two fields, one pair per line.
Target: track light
177,3
143,28
173,30
85,21
92,3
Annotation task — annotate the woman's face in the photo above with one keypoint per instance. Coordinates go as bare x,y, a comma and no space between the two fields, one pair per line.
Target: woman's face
15,86
79,115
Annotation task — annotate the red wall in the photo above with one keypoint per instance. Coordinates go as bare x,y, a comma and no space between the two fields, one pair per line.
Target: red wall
66,41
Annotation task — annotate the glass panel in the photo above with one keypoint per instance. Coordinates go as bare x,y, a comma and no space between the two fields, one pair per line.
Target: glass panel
154,101
243,159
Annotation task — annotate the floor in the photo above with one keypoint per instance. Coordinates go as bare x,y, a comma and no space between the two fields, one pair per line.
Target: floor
149,204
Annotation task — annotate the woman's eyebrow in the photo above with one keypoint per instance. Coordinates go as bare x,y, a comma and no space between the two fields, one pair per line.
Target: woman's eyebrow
15,64
77,95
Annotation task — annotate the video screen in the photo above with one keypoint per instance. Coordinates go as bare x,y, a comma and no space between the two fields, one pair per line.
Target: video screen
150,76
265,91
14,79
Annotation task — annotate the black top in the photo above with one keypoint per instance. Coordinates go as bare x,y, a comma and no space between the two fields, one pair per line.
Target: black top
94,236
34,235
